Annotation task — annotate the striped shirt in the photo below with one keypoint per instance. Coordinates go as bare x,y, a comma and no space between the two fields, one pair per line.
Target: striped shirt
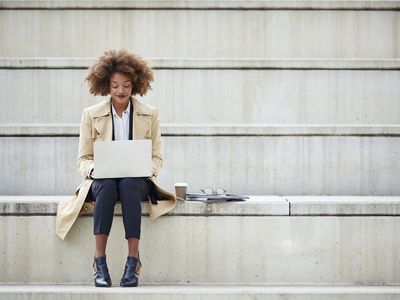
121,125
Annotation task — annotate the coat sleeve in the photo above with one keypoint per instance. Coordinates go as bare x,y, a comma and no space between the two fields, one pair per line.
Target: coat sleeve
85,153
157,155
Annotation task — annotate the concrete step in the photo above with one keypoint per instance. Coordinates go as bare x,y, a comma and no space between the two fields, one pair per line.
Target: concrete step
64,130
261,241
204,4
256,205
213,63
250,96
204,292
187,33
252,164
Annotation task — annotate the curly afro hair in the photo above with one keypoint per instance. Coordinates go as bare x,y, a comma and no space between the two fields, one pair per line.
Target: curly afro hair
121,61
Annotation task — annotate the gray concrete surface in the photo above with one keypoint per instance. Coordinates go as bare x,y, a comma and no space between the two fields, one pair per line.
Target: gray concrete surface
216,96
255,206
197,48
202,33
289,250
343,205
204,4
280,165
168,130
203,292
212,63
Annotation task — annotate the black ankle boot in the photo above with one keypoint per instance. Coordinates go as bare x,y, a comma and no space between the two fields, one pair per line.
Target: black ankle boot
102,278
129,278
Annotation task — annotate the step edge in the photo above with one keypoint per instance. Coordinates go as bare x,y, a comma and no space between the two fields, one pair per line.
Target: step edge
205,4
176,129
213,63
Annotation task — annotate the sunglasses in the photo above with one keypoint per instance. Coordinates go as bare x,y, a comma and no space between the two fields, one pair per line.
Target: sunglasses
210,191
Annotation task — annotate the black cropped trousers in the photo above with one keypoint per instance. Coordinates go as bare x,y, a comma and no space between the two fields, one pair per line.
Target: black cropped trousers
130,191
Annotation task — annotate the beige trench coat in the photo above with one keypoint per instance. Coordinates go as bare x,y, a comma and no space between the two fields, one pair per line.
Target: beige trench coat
96,125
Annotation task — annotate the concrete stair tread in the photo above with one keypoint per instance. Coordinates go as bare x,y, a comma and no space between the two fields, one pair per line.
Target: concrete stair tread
202,288
219,129
343,205
257,205
201,292
202,4
212,63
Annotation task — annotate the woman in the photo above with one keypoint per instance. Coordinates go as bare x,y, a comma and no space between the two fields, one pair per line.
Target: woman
120,74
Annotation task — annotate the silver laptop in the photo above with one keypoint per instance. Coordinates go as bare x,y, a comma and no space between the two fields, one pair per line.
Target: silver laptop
117,159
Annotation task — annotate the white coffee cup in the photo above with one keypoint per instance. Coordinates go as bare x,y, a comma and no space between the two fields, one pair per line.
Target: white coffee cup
181,189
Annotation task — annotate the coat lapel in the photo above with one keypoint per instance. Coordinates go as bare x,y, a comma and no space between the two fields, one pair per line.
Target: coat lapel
141,120
103,128
102,122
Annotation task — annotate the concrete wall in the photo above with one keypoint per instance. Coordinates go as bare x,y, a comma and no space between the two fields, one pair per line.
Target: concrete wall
211,249
171,33
252,165
216,96
218,64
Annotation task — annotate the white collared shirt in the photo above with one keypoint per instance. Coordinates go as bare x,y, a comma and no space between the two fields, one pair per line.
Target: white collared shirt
121,125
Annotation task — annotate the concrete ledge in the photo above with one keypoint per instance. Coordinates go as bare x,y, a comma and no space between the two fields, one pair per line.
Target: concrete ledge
255,206
202,4
343,205
156,292
218,130
249,63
